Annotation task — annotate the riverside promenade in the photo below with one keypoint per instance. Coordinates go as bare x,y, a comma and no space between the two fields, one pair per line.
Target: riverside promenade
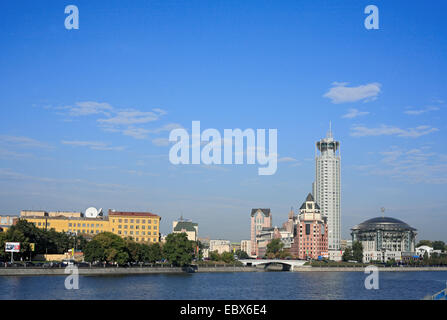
123,271
204,269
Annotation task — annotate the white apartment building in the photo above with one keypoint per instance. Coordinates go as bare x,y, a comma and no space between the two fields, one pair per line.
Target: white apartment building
327,187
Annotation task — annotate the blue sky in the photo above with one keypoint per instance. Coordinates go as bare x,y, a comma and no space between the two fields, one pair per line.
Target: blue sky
85,114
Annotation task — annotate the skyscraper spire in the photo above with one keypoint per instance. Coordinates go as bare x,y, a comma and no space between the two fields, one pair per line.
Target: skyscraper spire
329,134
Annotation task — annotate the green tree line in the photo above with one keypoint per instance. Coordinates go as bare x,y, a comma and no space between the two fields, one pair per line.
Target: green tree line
45,241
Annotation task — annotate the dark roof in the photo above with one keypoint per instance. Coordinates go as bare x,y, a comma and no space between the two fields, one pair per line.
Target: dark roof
309,198
266,212
185,225
383,223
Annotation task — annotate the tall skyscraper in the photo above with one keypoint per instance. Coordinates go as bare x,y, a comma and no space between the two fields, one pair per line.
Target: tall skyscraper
327,186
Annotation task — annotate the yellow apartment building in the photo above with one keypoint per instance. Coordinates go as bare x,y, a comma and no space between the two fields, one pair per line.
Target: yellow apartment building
143,227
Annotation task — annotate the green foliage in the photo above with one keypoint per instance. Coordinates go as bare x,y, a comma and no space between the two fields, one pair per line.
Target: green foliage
242,254
357,251
178,250
438,245
46,241
94,252
227,257
214,256
274,248
107,247
424,243
347,254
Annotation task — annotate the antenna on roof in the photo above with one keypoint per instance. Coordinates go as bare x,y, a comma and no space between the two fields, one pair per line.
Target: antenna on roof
329,134
383,212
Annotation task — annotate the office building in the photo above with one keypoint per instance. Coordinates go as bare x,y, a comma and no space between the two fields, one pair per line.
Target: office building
327,192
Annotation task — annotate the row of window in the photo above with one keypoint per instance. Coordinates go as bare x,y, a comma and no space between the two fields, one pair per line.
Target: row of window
143,233
143,221
136,227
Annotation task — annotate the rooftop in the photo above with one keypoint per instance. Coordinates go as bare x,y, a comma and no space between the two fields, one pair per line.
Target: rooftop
129,214
383,223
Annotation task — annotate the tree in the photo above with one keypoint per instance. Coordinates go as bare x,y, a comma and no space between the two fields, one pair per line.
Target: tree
214,256
424,243
274,247
151,253
109,246
347,254
241,254
357,251
94,251
438,245
227,257
178,250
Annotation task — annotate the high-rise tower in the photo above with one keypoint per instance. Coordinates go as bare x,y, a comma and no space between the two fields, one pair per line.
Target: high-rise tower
327,186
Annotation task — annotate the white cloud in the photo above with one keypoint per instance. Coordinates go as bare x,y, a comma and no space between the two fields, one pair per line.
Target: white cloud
287,159
23,142
417,165
354,113
86,108
130,117
416,112
137,133
361,131
340,93
161,142
93,145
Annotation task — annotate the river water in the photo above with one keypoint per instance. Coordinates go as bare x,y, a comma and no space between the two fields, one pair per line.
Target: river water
228,286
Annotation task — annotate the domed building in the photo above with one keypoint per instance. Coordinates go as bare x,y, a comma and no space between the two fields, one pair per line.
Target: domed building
385,238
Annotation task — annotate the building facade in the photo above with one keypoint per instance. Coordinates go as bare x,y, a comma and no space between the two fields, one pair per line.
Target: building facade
140,226
190,228
260,218
6,222
220,246
311,236
327,190
246,246
384,239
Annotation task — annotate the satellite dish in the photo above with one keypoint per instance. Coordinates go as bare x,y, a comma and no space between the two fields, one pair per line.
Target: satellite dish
92,212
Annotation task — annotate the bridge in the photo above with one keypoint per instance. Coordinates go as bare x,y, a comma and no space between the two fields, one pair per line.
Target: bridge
288,264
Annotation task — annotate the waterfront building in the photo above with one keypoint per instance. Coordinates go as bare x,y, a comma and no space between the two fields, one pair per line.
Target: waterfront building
6,222
260,218
185,226
385,238
140,226
246,246
326,188
268,234
422,250
311,232
345,244
220,246
235,246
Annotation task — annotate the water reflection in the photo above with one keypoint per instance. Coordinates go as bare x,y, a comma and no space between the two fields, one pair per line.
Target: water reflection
237,286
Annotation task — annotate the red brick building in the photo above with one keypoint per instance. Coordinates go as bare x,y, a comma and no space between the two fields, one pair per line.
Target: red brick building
311,233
